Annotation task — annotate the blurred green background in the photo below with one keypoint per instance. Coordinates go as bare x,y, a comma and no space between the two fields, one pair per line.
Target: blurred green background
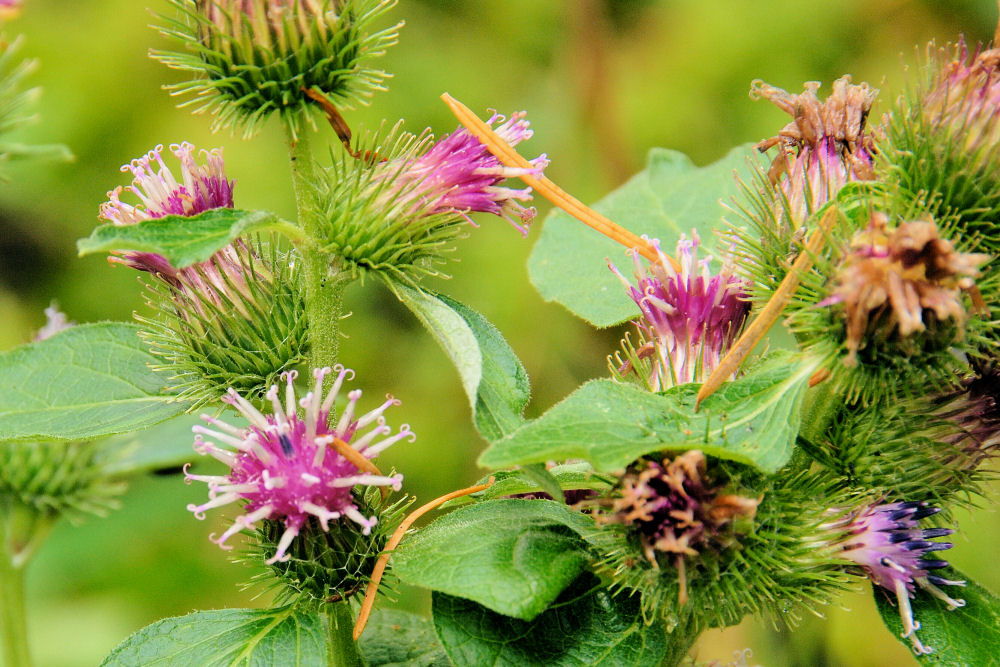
603,81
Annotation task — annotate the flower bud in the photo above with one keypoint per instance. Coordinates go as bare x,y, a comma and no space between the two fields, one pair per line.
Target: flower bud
210,315
252,58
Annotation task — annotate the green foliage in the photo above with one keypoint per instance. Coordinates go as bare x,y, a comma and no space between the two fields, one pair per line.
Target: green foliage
671,197
183,241
399,639
85,382
513,556
13,102
231,637
965,637
249,65
492,375
166,445
752,420
585,626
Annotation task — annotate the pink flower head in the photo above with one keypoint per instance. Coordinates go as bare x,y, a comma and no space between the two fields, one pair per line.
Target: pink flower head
690,317
9,8
885,540
287,467
823,148
459,174
201,188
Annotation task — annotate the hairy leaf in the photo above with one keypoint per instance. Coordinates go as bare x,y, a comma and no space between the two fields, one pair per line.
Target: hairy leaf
182,240
281,636
492,375
399,639
87,381
752,420
513,556
587,626
968,635
671,197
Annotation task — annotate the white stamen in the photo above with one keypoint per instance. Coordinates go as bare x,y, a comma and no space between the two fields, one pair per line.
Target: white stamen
283,544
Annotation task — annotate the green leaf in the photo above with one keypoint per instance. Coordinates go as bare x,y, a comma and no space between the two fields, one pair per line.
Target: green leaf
586,627
182,240
281,636
569,476
492,375
513,556
968,635
399,639
671,197
165,445
88,381
752,420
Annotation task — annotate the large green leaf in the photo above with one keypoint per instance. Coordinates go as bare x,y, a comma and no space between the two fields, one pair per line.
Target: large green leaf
752,420
399,639
84,382
671,197
587,626
261,637
513,556
182,240
968,635
492,375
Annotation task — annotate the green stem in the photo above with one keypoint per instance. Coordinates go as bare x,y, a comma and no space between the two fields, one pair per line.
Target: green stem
680,640
21,530
325,281
341,649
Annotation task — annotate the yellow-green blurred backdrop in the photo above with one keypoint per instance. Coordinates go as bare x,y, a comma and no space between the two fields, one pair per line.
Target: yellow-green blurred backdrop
603,81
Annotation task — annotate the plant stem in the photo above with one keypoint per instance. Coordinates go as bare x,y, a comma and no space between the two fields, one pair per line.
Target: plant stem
325,282
341,649
680,640
21,530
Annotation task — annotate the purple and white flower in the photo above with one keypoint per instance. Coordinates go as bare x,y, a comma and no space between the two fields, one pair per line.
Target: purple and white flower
286,467
690,317
885,540
202,187
459,174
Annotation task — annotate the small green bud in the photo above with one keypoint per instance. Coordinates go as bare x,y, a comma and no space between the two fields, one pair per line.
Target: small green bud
252,58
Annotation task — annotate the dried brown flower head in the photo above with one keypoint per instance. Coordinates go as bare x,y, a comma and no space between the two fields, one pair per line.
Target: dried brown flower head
890,277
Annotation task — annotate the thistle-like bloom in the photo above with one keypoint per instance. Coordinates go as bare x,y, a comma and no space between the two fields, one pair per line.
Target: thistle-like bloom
459,174
886,541
824,147
201,188
899,274
689,317
672,507
288,467
974,411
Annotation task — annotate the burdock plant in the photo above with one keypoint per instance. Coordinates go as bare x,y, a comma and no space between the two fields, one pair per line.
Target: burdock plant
720,471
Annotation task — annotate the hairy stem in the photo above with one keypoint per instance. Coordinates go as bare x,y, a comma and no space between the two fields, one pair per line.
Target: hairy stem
325,281
680,640
341,649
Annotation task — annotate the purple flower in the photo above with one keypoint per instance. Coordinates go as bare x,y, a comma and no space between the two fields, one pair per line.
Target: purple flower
824,147
459,174
289,468
885,541
689,317
201,188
